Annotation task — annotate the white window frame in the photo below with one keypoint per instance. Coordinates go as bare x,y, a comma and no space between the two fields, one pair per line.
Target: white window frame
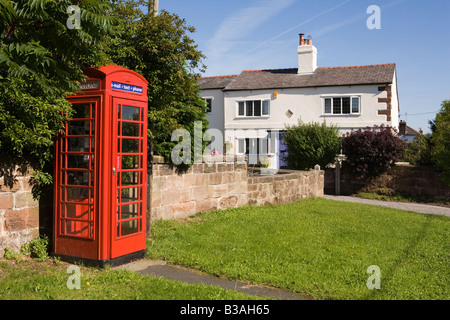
341,114
267,144
212,100
253,109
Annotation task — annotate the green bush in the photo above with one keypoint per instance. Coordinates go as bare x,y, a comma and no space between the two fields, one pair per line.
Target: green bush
419,151
311,144
371,152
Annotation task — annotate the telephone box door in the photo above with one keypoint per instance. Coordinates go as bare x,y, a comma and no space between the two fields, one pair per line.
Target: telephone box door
128,227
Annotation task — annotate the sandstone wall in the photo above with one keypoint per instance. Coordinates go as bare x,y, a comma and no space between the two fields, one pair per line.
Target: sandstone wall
205,187
402,179
19,212
285,187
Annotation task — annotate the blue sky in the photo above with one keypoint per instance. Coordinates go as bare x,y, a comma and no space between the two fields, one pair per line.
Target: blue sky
238,35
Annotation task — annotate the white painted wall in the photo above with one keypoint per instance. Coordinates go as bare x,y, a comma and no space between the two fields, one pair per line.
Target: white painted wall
395,104
216,117
307,104
307,59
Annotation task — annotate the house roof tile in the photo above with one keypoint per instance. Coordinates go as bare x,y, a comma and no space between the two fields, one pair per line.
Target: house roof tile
219,82
289,78
411,132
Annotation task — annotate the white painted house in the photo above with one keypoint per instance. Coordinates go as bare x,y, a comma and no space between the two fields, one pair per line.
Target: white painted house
252,108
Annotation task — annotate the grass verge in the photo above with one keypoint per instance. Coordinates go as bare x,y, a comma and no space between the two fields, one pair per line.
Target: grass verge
30,280
384,195
317,247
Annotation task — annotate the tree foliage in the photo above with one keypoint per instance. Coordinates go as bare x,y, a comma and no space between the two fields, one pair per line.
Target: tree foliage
371,152
441,140
311,144
419,151
38,46
160,49
41,61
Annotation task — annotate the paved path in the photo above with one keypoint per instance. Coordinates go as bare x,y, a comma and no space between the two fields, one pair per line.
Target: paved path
157,268
408,206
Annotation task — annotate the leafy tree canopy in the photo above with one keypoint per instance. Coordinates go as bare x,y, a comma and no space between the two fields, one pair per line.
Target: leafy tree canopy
441,140
160,49
41,61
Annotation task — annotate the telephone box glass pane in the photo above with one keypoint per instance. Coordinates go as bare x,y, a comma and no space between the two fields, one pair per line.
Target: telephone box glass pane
130,162
129,227
129,178
78,178
77,161
78,228
130,113
78,144
81,111
77,194
130,129
130,146
77,211
129,195
129,211
79,128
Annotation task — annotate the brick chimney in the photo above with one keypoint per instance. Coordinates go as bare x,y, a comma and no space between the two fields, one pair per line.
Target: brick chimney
307,56
402,128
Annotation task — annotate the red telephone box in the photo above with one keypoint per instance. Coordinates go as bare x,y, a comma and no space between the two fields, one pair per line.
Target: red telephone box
101,162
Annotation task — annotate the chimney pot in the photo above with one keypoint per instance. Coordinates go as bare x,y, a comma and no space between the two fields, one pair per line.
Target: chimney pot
302,39
402,128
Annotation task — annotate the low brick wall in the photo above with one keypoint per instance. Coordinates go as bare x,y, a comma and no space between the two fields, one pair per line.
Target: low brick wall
402,179
205,187
19,213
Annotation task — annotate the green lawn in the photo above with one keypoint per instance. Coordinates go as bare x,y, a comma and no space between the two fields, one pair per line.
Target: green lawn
317,247
29,280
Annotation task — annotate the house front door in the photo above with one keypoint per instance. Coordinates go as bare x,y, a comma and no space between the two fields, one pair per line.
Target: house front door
282,150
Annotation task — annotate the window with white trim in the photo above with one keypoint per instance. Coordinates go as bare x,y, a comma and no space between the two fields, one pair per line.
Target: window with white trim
342,105
253,108
257,146
208,108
